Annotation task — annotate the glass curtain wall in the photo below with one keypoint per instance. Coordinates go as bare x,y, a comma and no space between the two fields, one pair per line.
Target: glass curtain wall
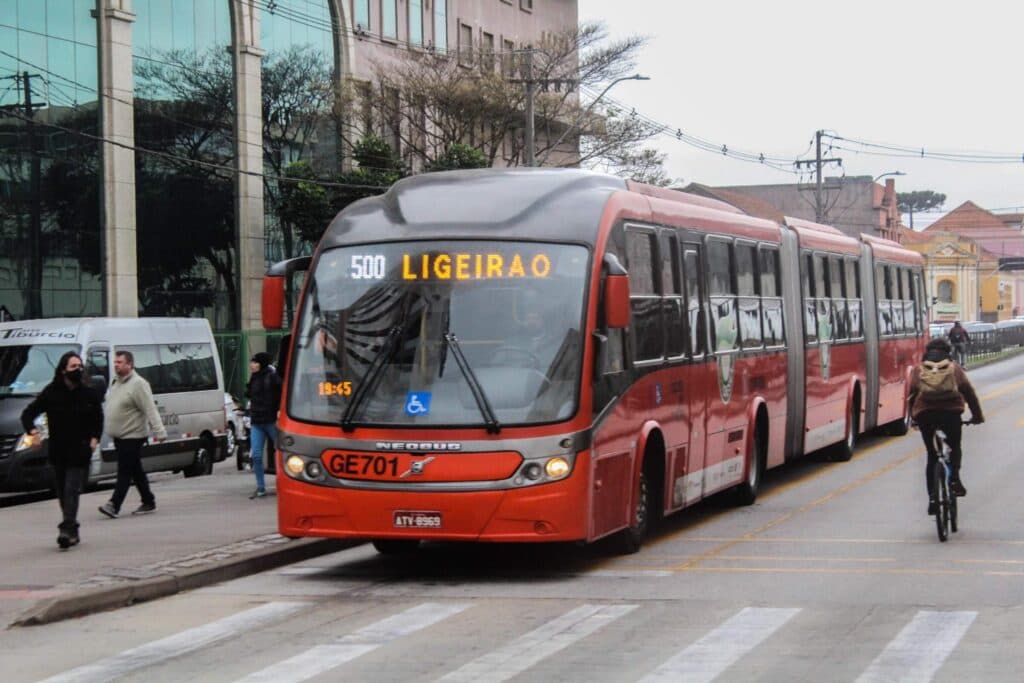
300,134
50,261
184,161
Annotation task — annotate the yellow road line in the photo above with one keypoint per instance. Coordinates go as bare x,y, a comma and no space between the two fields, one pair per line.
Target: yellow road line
1005,390
800,558
803,508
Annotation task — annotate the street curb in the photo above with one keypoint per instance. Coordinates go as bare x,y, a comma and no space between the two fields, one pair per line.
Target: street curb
89,601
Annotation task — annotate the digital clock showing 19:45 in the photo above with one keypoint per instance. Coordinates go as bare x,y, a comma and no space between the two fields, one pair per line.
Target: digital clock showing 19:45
335,388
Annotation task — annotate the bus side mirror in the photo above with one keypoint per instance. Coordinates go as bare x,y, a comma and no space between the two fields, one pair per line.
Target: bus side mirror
616,301
274,283
273,302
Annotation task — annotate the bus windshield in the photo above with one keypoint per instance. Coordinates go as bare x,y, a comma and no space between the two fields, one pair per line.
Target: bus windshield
25,370
414,334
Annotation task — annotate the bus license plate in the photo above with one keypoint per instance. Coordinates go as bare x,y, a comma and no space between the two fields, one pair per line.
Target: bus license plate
413,519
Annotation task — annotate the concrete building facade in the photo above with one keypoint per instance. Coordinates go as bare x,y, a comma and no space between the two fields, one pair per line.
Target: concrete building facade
853,205
141,140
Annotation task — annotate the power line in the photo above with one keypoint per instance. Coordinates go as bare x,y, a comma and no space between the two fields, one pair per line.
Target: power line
908,152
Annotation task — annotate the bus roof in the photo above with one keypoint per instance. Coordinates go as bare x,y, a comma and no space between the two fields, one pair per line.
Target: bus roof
519,203
821,236
891,251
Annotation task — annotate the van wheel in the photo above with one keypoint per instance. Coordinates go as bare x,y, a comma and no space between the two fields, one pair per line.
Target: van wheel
203,463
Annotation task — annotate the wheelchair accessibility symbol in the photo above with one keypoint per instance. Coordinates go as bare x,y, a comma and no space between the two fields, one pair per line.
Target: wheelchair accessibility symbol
417,403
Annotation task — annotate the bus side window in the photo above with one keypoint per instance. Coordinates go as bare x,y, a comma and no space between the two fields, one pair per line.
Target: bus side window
647,330
672,298
749,302
853,303
694,309
771,299
810,307
722,295
840,326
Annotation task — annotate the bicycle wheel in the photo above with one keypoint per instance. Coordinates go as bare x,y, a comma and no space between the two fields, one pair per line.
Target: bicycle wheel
942,498
952,513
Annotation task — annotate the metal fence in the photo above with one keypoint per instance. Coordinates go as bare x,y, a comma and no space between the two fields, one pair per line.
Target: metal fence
235,350
988,343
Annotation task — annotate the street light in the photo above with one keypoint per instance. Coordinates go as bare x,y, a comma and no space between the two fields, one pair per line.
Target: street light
885,174
579,119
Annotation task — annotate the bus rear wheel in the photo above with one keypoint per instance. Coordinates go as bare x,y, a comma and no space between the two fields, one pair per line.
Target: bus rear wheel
745,492
844,450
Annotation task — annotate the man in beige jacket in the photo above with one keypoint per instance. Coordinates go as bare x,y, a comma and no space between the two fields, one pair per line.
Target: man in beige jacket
130,416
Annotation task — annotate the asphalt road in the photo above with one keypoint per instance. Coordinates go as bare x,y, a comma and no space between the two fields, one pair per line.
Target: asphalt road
835,574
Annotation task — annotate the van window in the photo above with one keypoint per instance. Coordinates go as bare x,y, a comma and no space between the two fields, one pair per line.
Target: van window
171,368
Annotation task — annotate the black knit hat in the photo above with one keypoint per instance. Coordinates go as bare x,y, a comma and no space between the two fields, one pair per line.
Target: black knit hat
937,350
262,358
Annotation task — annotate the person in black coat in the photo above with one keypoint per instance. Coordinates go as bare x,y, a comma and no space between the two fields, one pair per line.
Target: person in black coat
264,400
74,417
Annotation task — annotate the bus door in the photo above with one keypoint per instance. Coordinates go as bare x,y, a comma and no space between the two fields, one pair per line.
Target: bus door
699,377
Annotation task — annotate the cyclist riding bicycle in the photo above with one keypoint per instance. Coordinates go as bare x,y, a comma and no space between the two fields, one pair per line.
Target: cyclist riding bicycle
959,338
938,391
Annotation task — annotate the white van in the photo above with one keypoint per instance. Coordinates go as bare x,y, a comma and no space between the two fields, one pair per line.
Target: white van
178,358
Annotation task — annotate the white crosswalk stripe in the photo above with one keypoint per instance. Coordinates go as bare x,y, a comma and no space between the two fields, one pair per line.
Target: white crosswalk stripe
722,647
178,644
544,641
920,648
321,658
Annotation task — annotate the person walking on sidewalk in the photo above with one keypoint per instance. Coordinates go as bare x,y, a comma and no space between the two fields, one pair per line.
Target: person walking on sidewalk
264,398
131,416
74,419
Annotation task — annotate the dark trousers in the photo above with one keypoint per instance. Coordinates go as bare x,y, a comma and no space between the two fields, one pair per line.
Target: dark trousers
68,482
129,469
930,421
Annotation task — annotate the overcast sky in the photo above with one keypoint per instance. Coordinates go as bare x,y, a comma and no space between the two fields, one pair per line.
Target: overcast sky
762,77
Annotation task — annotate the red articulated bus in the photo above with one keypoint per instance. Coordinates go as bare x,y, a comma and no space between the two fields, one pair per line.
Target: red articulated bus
557,355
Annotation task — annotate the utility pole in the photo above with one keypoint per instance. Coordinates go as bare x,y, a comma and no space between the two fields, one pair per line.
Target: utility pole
531,89
531,84
819,208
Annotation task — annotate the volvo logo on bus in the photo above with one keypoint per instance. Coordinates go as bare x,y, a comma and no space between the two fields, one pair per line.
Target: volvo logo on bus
432,446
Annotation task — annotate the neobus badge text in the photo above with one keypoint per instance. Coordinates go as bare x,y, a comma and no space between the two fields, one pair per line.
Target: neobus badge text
418,446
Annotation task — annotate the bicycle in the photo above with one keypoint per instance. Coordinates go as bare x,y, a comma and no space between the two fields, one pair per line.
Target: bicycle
946,514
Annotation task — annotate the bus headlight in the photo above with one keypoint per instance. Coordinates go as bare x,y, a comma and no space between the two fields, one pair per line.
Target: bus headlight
294,464
556,468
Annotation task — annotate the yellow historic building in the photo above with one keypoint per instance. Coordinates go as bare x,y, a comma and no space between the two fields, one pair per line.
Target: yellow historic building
966,254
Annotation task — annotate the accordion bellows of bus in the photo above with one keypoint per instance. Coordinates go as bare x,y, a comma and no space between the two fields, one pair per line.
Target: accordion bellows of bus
558,355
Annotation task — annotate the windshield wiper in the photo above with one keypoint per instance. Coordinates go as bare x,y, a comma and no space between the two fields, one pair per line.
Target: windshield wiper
493,427
370,377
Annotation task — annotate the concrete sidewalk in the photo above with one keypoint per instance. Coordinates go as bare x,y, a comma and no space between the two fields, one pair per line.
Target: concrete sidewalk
205,530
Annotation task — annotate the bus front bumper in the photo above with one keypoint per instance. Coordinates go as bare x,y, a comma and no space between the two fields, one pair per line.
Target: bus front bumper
551,512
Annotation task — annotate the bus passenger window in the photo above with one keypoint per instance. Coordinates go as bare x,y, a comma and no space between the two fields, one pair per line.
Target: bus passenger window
672,301
722,296
694,311
810,307
647,331
840,328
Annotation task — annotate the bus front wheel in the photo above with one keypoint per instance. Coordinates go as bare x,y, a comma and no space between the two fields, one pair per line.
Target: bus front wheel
628,540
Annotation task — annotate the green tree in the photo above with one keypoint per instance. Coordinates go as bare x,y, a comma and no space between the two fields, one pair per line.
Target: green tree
918,200
459,156
304,205
431,101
